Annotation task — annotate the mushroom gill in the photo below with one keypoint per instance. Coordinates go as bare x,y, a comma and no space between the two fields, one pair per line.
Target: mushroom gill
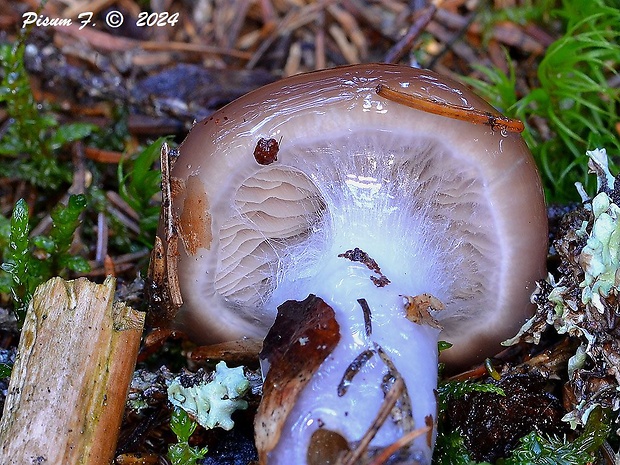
442,206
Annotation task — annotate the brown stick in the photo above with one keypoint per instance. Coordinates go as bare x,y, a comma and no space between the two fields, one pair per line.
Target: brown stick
68,388
495,121
403,46
388,451
389,401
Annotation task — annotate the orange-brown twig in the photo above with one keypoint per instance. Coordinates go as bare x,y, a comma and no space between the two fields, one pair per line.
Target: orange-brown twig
450,110
387,452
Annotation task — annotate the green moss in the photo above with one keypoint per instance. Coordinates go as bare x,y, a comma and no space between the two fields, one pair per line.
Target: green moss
534,448
183,427
29,261
33,137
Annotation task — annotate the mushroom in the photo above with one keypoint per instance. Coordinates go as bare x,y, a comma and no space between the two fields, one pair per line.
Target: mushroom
338,184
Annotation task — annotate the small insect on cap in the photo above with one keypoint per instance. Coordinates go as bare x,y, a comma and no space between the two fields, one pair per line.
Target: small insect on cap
256,186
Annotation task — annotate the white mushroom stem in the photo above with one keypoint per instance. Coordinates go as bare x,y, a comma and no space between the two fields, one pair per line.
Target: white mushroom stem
367,219
412,349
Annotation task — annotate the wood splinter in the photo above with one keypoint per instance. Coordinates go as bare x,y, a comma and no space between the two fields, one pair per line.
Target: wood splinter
75,359
163,291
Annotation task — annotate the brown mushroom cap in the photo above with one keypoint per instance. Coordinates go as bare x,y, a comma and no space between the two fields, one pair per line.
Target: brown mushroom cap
472,193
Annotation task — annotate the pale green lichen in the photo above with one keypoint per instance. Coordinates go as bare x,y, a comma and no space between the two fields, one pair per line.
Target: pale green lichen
212,402
599,164
581,301
600,258
579,415
577,361
559,313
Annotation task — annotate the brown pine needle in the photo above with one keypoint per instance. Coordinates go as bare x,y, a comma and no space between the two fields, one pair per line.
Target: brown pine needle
387,452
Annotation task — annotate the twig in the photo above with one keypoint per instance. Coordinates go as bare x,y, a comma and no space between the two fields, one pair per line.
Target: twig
472,115
450,40
388,451
320,61
102,238
294,19
395,54
353,457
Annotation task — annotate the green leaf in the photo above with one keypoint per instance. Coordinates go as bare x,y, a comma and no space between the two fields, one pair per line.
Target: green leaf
70,133
443,345
31,261
17,260
76,264
33,135
450,450
457,389
140,185
182,425
65,220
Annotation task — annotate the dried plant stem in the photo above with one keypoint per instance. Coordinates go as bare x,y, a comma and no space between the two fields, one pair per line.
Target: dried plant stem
396,53
387,452
354,456
495,121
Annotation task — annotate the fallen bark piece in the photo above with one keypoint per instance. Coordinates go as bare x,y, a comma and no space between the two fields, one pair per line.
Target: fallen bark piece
302,336
67,391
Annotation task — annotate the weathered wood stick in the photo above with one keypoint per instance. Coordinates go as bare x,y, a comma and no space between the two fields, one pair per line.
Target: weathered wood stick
67,391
